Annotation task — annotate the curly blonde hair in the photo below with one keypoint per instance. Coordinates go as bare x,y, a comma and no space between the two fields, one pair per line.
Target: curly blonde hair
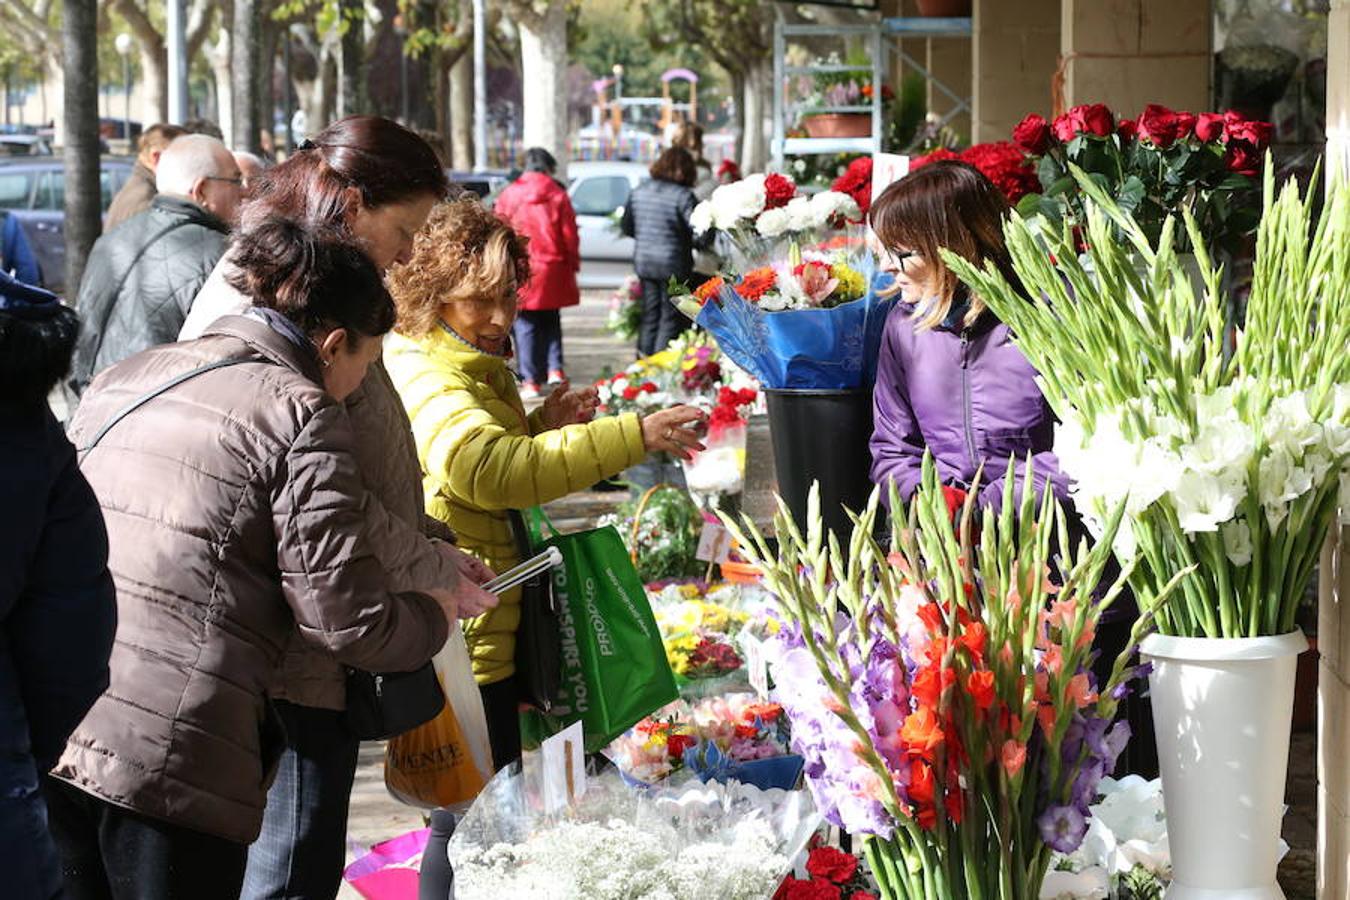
464,252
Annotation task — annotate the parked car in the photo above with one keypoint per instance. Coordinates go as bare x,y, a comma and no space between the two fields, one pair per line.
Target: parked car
599,192
33,190
487,184
24,145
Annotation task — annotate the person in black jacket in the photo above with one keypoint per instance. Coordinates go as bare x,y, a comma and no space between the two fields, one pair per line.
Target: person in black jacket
57,609
143,275
657,216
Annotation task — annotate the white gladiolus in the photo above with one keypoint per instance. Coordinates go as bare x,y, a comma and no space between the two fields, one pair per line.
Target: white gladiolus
1223,443
1237,542
1288,423
1204,501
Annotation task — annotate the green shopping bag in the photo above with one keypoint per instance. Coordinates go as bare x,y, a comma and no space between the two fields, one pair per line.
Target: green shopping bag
614,667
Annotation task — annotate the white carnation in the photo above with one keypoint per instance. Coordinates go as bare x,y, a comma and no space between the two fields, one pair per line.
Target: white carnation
800,215
701,219
829,206
773,222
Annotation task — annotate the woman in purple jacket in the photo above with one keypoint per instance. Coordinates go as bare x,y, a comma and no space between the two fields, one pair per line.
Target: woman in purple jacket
950,380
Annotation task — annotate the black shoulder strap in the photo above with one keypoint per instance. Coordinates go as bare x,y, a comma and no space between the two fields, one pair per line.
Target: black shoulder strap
122,280
150,395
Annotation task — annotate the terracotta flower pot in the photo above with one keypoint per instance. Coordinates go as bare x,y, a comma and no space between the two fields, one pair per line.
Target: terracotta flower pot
944,9
838,125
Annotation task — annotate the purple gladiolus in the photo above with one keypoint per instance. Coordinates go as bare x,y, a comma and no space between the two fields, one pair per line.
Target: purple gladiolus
1062,828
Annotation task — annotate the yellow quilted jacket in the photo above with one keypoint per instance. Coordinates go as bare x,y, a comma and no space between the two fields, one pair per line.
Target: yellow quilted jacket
481,456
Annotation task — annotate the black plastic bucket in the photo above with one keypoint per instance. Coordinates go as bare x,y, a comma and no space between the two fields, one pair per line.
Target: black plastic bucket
822,436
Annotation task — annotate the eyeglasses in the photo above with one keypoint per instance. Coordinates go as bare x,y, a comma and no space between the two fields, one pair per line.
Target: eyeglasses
237,180
900,258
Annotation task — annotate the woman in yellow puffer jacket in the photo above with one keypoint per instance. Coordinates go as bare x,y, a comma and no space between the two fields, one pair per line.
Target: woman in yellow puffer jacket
481,455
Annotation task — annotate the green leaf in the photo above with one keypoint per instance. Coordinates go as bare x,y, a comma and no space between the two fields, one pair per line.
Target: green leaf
1132,193
1062,186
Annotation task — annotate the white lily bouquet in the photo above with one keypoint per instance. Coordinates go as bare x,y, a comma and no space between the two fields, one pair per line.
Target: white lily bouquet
1235,463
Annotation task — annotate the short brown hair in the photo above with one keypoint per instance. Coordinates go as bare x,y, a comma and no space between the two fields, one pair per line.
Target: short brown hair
950,205
464,252
158,137
675,164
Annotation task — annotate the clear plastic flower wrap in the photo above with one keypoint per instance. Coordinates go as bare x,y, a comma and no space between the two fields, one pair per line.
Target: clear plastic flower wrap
731,841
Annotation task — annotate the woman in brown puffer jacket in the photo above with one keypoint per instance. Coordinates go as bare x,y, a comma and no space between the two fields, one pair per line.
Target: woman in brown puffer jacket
236,514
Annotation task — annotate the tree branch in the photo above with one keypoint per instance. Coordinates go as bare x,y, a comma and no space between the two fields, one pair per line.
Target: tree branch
146,34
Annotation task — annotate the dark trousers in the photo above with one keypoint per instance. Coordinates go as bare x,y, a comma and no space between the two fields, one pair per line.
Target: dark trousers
300,853
538,335
662,322
501,705
111,853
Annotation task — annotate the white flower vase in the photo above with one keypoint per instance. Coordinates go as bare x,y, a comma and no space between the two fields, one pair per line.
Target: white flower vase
1222,710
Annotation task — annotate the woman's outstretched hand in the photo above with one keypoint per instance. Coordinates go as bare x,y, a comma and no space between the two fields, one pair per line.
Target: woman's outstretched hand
568,407
666,431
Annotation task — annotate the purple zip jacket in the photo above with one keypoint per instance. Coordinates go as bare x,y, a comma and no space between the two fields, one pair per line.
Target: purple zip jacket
969,396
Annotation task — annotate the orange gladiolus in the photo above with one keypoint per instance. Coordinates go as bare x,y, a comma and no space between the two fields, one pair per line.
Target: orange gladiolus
1014,757
981,687
922,733
1078,691
974,639
920,782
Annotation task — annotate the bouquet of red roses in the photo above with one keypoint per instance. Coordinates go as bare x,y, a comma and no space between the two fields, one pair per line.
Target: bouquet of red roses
1152,166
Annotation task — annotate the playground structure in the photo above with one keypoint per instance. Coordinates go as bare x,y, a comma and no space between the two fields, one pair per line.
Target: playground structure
614,109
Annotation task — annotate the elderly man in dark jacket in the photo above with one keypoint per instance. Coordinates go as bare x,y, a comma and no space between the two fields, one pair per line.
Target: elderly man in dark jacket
57,610
142,276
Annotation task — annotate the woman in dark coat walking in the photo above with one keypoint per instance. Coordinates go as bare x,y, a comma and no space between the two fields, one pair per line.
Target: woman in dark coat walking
57,606
657,216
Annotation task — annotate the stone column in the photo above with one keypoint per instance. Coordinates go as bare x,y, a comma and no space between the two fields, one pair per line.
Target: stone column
1012,61
1333,621
1128,53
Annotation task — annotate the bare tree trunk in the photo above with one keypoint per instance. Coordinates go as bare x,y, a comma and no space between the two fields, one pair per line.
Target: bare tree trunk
351,96
218,57
154,84
244,50
461,113
79,44
738,117
267,65
543,64
754,148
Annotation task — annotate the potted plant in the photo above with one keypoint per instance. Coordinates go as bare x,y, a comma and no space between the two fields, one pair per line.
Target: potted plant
939,689
1233,466
826,113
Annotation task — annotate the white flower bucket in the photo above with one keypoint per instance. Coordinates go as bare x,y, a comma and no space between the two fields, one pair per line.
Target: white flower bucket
1222,709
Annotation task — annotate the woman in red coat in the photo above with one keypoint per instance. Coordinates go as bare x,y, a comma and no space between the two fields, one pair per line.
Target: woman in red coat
537,206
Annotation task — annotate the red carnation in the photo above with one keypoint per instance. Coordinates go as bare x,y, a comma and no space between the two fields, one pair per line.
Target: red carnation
862,895
1209,127
728,171
1242,158
857,182
630,393
648,388
1251,131
1032,135
815,889
778,190
1092,118
1159,126
834,865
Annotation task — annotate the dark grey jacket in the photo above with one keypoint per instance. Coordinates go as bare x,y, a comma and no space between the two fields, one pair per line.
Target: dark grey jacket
140,281
657,217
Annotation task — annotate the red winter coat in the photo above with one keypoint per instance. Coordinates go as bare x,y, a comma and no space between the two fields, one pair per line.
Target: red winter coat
538,207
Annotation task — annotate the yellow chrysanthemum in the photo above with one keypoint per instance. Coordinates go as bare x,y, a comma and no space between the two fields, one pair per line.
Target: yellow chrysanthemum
852,285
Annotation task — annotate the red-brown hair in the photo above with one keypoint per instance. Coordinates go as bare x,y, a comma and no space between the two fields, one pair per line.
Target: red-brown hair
383,160
675,164
950,205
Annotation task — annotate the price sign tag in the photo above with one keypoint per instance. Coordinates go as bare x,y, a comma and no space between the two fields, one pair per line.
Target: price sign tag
757,665
714,543
564,764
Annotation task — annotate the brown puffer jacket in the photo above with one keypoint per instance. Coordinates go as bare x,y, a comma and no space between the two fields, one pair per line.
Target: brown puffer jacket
398,527
235,513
